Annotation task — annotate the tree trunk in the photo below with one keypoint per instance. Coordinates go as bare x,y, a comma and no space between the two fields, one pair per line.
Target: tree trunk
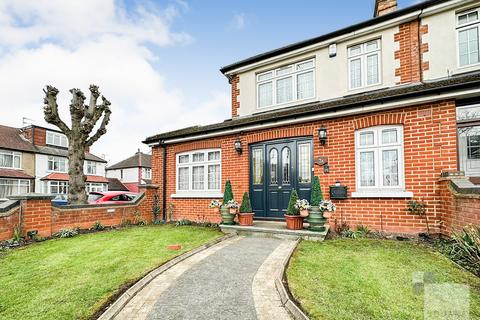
76,157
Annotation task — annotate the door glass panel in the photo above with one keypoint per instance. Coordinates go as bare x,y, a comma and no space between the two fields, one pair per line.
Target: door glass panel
390,167
257,166
273,166
304,167
469,150
286,166
468,113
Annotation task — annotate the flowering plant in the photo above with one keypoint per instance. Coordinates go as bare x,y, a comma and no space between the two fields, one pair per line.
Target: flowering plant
232,204
302,204
215,204
327,205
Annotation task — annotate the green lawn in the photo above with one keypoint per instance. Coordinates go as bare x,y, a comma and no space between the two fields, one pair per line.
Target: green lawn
72,278
369,279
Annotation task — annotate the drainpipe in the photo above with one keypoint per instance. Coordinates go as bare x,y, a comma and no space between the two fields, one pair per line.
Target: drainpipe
164,182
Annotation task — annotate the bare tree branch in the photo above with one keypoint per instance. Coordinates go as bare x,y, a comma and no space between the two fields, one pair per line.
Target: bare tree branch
103,126
94,94
50,109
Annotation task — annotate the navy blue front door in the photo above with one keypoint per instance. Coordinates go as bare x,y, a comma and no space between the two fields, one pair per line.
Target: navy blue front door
277,168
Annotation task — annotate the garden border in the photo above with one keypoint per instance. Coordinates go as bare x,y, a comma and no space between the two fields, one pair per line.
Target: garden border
288,301
114,309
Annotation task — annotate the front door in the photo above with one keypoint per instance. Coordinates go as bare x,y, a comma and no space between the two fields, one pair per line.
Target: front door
277,168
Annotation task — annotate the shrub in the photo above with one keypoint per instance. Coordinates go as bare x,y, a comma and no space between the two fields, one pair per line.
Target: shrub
228,192
97,226
183,222
292,209
246,206
67,233
465,248
363,231
317,195
419,209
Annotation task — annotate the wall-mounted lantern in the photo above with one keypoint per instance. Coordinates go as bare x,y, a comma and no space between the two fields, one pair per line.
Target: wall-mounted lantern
322,135
238,146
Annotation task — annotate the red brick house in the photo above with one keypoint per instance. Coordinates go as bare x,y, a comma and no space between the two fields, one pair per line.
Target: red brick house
389,108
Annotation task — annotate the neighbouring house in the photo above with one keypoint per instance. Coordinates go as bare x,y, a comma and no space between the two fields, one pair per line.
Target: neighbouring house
132,172
389,108
116,185
34,159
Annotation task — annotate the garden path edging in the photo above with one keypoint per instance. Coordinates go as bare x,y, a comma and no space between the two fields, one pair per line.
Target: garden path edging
115,308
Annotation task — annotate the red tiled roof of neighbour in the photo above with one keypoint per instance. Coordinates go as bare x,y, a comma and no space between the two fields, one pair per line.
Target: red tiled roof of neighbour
65,177
10,138
11,173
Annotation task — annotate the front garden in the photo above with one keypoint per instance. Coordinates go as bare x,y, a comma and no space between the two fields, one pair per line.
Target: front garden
73,278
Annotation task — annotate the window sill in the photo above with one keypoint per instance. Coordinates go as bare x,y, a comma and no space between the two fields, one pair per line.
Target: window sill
200,195
382,194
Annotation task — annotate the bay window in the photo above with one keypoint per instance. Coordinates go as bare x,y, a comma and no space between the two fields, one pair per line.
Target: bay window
57,164
10,159
468,38
199,173
58,187
286,84
11,187
364,64
379,162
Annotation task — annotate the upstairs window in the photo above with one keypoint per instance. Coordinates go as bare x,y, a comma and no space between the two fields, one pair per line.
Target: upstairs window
57,139
91,167
468,38
10,159
364,64
148,174
57,164
290,83
199,171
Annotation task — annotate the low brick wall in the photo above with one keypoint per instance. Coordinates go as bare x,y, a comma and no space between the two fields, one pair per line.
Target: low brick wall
9,220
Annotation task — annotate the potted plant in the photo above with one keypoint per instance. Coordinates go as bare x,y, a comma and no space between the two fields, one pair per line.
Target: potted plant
245,214
303,206
327,207
293,218
227,217
315,218
215,205
233,206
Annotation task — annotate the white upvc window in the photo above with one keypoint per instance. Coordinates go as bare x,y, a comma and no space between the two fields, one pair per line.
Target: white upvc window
468,23
57,164
10,159
148,173
199,172
91,167
379,161
58,187
95,187
12,187
294,82
57,139
364,64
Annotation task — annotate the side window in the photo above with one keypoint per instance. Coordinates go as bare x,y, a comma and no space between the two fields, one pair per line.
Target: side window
468,38
364,64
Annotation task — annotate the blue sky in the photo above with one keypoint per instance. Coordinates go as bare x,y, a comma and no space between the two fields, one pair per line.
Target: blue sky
156,61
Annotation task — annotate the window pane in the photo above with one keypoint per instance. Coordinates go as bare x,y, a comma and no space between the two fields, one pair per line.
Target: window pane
183,159
372,69
6,160
468,46
257,166
214,156
305,65
286,166
305,85
390,167
389,136
355,50
473,146
198,157
273,166
16,161
265,94
214,177
463,19
198,177
304,169
284,70
468,113
366,138
372,45
284,90
265,76
355,73
183,174
367,169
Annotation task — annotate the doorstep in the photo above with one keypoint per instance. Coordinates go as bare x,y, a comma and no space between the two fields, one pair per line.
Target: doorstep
274,229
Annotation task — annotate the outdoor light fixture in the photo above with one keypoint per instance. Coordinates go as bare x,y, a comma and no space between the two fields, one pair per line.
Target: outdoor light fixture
326,168
322,135
238,146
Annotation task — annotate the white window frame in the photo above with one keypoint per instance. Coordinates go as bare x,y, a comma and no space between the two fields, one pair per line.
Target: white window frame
148,173
89,165
191,193
379,190
17,183
55,158
96,187
63,141
14,155
363,55
463,27
58,184
274,78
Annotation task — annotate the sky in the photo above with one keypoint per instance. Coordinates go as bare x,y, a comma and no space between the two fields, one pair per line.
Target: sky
156,61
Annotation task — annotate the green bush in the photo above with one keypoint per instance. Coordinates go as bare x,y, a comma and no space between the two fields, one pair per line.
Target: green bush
292,209
228,192
465,249
97,226
317,195
246,206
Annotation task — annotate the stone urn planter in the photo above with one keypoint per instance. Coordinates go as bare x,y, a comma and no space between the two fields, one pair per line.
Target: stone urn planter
294,222
227,217
316,219
245,219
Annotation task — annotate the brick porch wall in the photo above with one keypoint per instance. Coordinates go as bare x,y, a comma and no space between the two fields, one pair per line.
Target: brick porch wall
8,222
429,148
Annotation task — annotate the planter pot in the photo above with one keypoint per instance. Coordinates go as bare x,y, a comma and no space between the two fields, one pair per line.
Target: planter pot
233,211
304,213
316,219
294,222
227,217
245,219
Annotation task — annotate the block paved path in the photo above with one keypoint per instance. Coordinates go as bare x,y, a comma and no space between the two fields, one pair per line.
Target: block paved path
231,280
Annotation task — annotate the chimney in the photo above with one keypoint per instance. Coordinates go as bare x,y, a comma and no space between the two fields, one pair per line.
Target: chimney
384,6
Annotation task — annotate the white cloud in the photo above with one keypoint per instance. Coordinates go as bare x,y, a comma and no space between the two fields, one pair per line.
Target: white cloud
66,45
239,21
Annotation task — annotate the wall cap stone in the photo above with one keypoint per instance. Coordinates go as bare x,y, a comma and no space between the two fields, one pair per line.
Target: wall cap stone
149,186
32,196
100,205
7,206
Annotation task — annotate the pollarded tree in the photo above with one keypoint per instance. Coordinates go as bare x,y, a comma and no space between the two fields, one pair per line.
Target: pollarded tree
84,119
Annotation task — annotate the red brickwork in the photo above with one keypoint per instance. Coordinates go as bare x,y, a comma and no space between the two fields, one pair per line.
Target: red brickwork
235,93
8,222
429,149
384,6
